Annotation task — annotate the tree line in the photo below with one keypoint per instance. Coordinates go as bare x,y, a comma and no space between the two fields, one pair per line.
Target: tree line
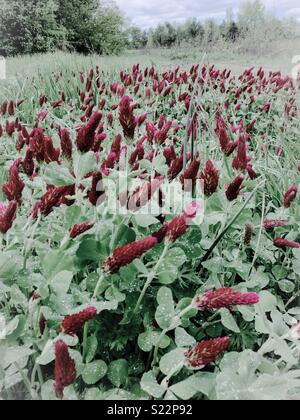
96,26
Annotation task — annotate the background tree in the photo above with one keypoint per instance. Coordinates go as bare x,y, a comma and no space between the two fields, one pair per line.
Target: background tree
29,26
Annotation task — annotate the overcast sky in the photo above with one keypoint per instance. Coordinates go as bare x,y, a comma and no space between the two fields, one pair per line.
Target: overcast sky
148,13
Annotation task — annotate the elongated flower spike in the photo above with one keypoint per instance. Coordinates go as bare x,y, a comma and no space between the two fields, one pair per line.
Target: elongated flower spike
126,254
28,163
179,225
65,370
79,229
191,173
7,216
290,196
13,189
86,134
240,161
126,117
234,189
66,143
72,324
225,298
210,177
206,352
282,243
272,224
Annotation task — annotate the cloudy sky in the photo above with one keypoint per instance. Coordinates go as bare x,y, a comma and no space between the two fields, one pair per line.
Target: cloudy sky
148,13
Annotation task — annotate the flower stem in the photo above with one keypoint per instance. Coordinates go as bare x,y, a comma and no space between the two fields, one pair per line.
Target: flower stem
99,284
151,276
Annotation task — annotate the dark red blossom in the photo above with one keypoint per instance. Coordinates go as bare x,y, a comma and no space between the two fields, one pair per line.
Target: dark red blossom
285,243
51,154
79,229
66,143
290,196
225,298
128,253
86,134
180,224
272,224
10,128
11,108
191,173
4,107
240,161
210,177
7,216
72,324
54,197
126,117
65,370
206,352
13,189
96,190
37,144
28,163
234,189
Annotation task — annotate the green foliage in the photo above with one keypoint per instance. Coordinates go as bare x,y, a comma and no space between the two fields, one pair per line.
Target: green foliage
28,26
85,26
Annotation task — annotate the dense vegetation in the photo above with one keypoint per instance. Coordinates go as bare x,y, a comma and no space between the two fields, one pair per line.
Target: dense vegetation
99,305
90,26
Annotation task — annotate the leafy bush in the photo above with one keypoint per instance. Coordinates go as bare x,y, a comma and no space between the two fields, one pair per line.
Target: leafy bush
98,305
38,26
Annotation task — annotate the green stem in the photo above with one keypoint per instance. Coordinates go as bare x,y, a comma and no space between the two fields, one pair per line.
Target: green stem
151,276
260,232
99,284
85,340
223,233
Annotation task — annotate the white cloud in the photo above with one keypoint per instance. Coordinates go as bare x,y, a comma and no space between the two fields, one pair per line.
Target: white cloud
148,13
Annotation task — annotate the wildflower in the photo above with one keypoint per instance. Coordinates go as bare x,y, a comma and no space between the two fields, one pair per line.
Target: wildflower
1,130
96,191
10,128
210,177
234,189
7,216
175,168
80,229
37,144
206,352
4,107
126,117
126,254
86,134
65,370
225,298
11,108
161,135
285,243
143,194
169,154
54,197
248,233
13,189
251,172
290,196
191,172
66,143
28,163
272,224
179,225
241,161
51,154
72,324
